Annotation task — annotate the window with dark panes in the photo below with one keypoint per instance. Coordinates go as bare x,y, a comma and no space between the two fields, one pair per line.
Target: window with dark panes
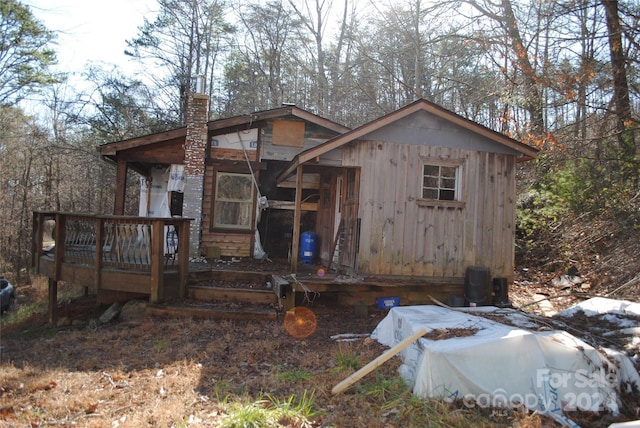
439,182
233,206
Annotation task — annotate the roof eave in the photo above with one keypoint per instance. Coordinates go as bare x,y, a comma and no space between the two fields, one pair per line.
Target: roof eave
281,112
111,149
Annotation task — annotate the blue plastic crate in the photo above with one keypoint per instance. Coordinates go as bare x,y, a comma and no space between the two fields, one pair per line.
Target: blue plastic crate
387,302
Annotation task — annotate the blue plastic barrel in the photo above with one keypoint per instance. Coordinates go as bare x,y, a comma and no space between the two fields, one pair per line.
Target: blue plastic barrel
308,243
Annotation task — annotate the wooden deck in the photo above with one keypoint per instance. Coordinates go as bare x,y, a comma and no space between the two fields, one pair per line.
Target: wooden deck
366,291
121,258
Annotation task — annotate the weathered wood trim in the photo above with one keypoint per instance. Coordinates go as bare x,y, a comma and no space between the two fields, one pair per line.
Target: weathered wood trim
439,203
309,181
112,149
121,188
236,295
295,245
228,275
291,205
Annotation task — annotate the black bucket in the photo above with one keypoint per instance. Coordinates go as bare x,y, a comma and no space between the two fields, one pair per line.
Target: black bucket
477,286
501,292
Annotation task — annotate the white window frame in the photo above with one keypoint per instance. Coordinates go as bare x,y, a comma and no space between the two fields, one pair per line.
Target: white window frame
441,184
246,201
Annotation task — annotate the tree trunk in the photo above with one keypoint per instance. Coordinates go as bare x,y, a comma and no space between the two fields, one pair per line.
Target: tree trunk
620,84
533,102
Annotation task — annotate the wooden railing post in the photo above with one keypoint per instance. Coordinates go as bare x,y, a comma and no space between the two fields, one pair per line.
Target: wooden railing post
58,258
157,261
99,251
59,237
36,240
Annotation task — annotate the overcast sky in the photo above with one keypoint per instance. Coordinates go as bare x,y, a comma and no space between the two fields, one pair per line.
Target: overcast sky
92,30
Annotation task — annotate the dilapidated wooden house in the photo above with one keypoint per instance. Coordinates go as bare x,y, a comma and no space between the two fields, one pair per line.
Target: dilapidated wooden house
402,206
420,192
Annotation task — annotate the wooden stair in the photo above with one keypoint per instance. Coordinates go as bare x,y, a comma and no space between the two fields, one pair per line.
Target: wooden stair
205,300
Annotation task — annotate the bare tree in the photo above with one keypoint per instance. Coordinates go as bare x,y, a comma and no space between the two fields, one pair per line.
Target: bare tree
269,29
315,18
185,40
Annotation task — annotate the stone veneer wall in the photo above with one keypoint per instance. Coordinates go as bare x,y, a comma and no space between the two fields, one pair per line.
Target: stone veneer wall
194,162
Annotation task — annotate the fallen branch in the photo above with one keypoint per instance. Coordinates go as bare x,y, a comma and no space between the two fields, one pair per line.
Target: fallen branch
626,284
546,298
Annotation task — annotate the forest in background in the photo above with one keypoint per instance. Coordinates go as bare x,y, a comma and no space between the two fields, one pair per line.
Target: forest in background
558,75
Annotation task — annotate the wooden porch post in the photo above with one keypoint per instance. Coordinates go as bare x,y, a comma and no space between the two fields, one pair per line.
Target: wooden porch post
121,188
156,280
183,256
297,215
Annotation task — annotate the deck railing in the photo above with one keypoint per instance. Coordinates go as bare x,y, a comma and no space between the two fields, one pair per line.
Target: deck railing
142,244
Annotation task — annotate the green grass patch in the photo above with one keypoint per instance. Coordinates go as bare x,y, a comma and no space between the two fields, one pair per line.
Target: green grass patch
347,360
294,375
268,412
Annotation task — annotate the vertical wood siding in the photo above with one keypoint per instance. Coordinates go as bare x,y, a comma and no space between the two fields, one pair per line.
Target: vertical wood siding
402,237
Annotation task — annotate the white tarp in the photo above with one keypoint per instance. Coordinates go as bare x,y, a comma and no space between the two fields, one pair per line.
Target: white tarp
503,366
177,180
154,199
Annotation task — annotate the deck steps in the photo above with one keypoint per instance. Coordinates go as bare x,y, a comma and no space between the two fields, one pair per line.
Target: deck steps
234,295
226,294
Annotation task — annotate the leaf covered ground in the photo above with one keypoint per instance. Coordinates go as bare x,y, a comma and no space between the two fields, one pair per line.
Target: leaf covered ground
143,370
151,371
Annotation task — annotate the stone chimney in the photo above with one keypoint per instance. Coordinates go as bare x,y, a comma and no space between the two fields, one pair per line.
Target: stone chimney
195,149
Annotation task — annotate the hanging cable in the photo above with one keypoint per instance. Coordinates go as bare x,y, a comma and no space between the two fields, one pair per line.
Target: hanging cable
262,201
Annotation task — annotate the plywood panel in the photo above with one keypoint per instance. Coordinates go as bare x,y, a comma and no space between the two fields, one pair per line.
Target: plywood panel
288,133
